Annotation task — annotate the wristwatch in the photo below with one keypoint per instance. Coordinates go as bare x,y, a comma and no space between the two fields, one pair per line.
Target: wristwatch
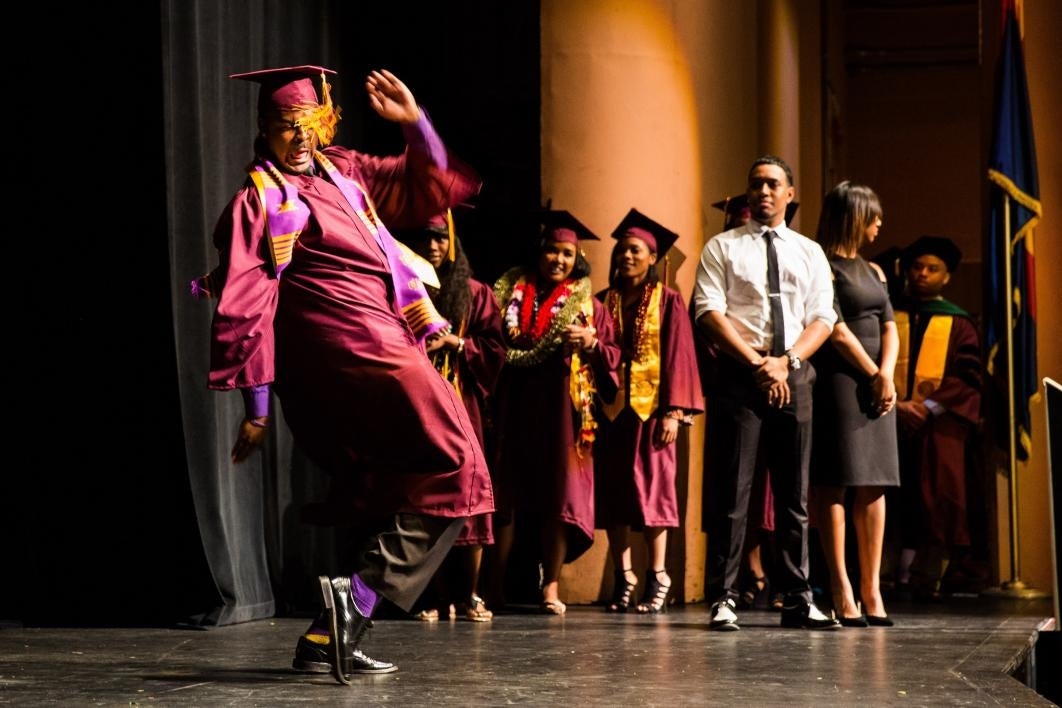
794,360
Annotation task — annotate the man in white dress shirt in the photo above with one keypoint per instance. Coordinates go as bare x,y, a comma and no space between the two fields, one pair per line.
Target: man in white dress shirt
764,296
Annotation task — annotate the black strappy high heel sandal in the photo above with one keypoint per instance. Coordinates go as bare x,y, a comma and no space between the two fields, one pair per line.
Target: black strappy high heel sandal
622,592
658,585
752,593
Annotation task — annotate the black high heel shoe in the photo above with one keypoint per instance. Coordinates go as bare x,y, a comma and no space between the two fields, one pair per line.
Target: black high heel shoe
747,600
622,593
654,602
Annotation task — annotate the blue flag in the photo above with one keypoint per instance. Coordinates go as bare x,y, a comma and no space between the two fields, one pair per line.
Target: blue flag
1014,193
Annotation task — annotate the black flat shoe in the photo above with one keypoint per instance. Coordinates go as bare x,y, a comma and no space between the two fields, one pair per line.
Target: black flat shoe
859,621
876,621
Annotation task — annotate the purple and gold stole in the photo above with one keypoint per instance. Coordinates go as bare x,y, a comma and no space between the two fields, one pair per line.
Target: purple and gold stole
286,217
412,297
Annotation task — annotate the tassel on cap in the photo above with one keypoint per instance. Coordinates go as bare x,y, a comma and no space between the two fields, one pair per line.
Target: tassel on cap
451,253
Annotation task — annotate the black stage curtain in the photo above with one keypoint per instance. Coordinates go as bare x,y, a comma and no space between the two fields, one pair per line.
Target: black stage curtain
210,123
119,503
481,89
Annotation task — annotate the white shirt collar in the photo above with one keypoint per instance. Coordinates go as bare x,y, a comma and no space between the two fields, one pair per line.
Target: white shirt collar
757,229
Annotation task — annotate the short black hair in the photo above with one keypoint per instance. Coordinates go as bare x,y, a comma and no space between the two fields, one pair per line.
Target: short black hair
777,162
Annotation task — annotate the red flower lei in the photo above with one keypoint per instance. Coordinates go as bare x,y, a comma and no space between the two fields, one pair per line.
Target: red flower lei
534,321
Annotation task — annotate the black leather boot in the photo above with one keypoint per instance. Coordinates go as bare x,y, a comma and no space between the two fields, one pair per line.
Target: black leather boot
348,625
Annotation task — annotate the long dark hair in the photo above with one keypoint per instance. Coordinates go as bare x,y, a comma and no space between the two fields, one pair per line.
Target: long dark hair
847,211
454,295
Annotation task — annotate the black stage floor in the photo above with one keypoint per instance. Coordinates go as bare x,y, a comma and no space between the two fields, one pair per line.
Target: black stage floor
953,653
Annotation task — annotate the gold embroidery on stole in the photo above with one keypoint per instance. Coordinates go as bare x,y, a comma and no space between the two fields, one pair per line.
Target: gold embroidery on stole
644,368
932,356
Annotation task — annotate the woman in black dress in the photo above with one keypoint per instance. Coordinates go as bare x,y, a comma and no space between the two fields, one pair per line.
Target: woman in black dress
855,430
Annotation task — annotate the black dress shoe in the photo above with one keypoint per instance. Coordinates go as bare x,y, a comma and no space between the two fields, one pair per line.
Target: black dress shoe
348,625
807,617
314,658
879,621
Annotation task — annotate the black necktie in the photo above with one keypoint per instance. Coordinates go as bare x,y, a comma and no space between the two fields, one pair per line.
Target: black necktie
774,295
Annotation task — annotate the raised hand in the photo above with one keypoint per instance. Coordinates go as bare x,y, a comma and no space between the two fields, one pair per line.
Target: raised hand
391,98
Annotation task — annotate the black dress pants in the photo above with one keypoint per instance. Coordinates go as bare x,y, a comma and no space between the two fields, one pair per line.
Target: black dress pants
742,425
398,559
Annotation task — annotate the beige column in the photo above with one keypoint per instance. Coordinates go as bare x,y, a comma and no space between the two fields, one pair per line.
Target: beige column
620,129
778,84
662,106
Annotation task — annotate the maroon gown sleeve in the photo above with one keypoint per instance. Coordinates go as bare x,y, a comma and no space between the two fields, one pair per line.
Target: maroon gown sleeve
680,382
960,389
410,188
484,352
242,345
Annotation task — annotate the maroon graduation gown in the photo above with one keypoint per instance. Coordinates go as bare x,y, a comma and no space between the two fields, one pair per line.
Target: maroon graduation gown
357,390
935,456
635,481
479,365
539,472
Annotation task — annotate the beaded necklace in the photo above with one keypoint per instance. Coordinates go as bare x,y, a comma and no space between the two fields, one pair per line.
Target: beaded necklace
614,303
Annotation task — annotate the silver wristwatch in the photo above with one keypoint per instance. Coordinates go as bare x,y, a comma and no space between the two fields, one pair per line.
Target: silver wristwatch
794,360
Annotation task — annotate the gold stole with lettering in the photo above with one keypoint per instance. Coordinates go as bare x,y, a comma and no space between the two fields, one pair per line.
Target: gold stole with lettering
932,356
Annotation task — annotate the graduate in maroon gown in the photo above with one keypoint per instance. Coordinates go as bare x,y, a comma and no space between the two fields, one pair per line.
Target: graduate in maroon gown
938,379
318,302
469,356
560,352
634,455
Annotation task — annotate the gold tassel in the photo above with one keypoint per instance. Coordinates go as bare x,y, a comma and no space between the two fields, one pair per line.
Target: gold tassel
451,254
324,118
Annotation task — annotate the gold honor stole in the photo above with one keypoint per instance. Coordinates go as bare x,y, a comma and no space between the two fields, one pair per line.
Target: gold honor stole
286,216
932,356
643,395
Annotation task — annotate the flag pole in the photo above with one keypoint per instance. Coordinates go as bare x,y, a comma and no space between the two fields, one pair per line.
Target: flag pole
1014,587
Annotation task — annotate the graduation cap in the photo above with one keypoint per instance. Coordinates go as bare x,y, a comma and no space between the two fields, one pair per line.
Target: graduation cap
444,224
940,246
657,237
732,208
441,224
287,87
560,225
295,88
